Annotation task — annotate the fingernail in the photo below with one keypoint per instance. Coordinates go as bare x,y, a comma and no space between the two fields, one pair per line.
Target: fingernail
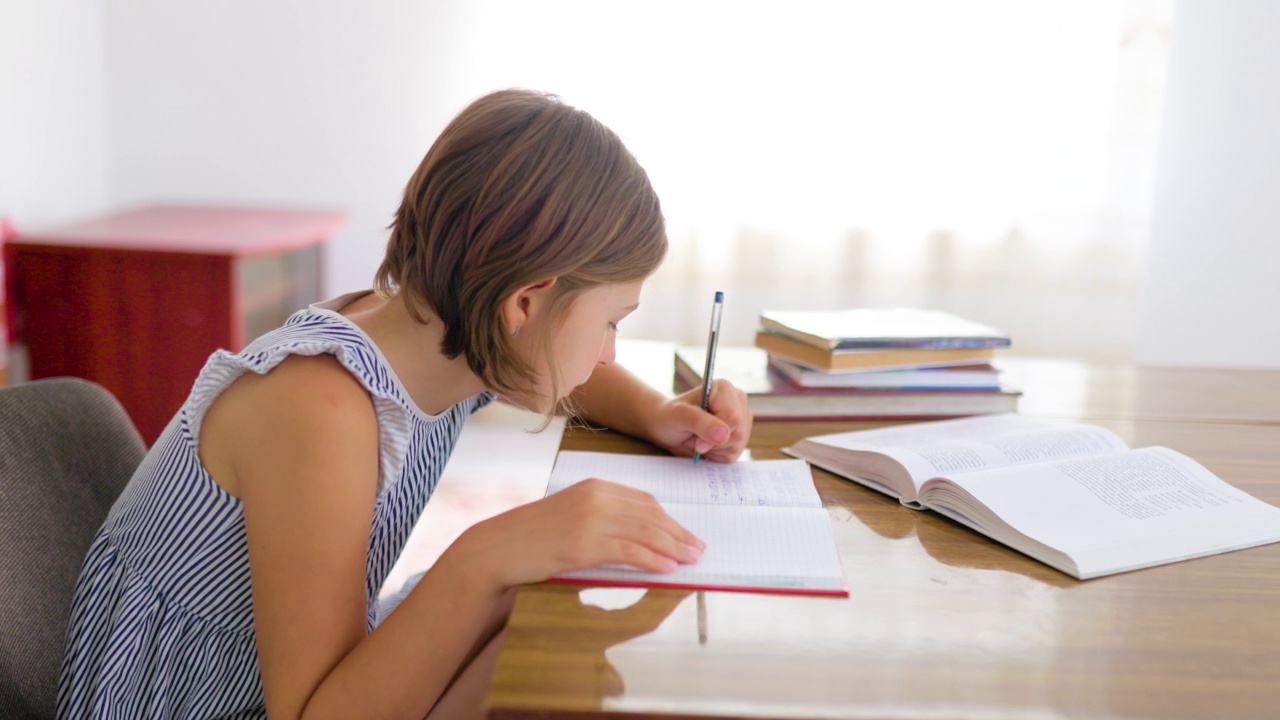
698,543
692,553
669,565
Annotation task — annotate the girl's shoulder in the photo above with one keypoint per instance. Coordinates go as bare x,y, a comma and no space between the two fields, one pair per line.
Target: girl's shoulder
309,415
316,332
316,357
301,383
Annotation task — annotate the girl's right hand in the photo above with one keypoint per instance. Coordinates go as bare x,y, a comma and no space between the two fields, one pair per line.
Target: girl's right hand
590,523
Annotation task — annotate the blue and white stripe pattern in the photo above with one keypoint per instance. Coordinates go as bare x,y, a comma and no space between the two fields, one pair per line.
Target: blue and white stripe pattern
162,621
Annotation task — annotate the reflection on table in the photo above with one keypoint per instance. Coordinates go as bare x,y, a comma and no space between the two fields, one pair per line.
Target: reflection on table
942,622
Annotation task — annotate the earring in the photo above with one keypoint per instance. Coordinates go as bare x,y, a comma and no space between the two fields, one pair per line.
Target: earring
517,332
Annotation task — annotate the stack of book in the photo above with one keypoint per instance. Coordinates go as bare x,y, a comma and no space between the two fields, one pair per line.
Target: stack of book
862,364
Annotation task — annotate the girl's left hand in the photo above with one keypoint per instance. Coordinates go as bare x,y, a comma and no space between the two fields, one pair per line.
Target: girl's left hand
682,427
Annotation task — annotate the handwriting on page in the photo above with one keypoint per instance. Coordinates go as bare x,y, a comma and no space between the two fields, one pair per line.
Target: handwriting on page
761,484
724,487
677,480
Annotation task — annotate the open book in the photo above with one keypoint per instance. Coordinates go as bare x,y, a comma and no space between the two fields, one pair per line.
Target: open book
762,521
1070,495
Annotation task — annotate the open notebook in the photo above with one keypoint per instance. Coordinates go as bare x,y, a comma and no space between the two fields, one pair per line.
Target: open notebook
762,520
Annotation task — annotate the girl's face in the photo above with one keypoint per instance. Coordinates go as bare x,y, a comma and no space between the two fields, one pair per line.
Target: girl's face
584,339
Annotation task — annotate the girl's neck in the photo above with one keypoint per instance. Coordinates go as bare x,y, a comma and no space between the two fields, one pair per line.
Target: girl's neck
433,381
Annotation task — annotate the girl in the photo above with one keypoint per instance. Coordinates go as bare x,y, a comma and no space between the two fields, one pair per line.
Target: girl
238,573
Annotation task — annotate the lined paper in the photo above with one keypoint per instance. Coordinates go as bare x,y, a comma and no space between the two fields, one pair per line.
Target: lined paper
762,520
764,483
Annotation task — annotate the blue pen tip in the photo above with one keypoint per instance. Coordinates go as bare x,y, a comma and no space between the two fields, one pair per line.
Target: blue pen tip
719,296
695,458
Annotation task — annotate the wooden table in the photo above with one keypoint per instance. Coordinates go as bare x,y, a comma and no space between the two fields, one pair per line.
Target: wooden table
940,621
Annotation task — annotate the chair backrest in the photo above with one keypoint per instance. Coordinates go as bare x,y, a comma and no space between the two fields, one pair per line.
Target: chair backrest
67,449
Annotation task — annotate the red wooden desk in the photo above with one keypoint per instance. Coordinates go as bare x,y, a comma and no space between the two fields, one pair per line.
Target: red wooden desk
137,300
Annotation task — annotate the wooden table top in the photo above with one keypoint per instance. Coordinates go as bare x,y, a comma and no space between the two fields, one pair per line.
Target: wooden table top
940,621
1066,388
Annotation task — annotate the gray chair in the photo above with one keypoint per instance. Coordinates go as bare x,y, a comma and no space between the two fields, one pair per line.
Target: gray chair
67,449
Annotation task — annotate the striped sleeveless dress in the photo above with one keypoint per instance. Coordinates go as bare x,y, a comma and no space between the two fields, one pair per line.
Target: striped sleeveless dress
161,624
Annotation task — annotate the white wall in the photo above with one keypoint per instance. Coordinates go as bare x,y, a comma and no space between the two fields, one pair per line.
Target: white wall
110,102
1212,294
325,102
52,111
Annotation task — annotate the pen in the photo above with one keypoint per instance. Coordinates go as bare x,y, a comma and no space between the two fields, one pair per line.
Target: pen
713,340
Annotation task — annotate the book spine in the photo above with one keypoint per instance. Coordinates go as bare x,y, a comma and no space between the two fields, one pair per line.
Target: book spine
868,359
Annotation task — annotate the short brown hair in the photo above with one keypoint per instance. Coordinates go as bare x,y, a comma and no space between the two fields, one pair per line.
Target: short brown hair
520,187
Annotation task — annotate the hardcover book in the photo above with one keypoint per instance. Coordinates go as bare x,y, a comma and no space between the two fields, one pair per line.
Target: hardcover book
833,360
881,329
1071,495
771,396
950,377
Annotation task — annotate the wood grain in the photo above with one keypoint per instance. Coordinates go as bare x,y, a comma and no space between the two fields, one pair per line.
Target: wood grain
940,622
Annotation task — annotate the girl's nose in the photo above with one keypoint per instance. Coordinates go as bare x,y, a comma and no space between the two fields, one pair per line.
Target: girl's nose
608,351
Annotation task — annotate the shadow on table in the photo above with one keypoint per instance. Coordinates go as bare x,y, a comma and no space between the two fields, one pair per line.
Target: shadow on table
582,634
943,539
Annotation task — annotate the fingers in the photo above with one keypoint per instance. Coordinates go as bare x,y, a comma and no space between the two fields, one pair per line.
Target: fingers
709,432
628,526
723,455
644,516
659,555
591,523
725,440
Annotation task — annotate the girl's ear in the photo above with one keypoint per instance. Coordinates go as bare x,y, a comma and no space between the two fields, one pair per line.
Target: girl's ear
526,305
